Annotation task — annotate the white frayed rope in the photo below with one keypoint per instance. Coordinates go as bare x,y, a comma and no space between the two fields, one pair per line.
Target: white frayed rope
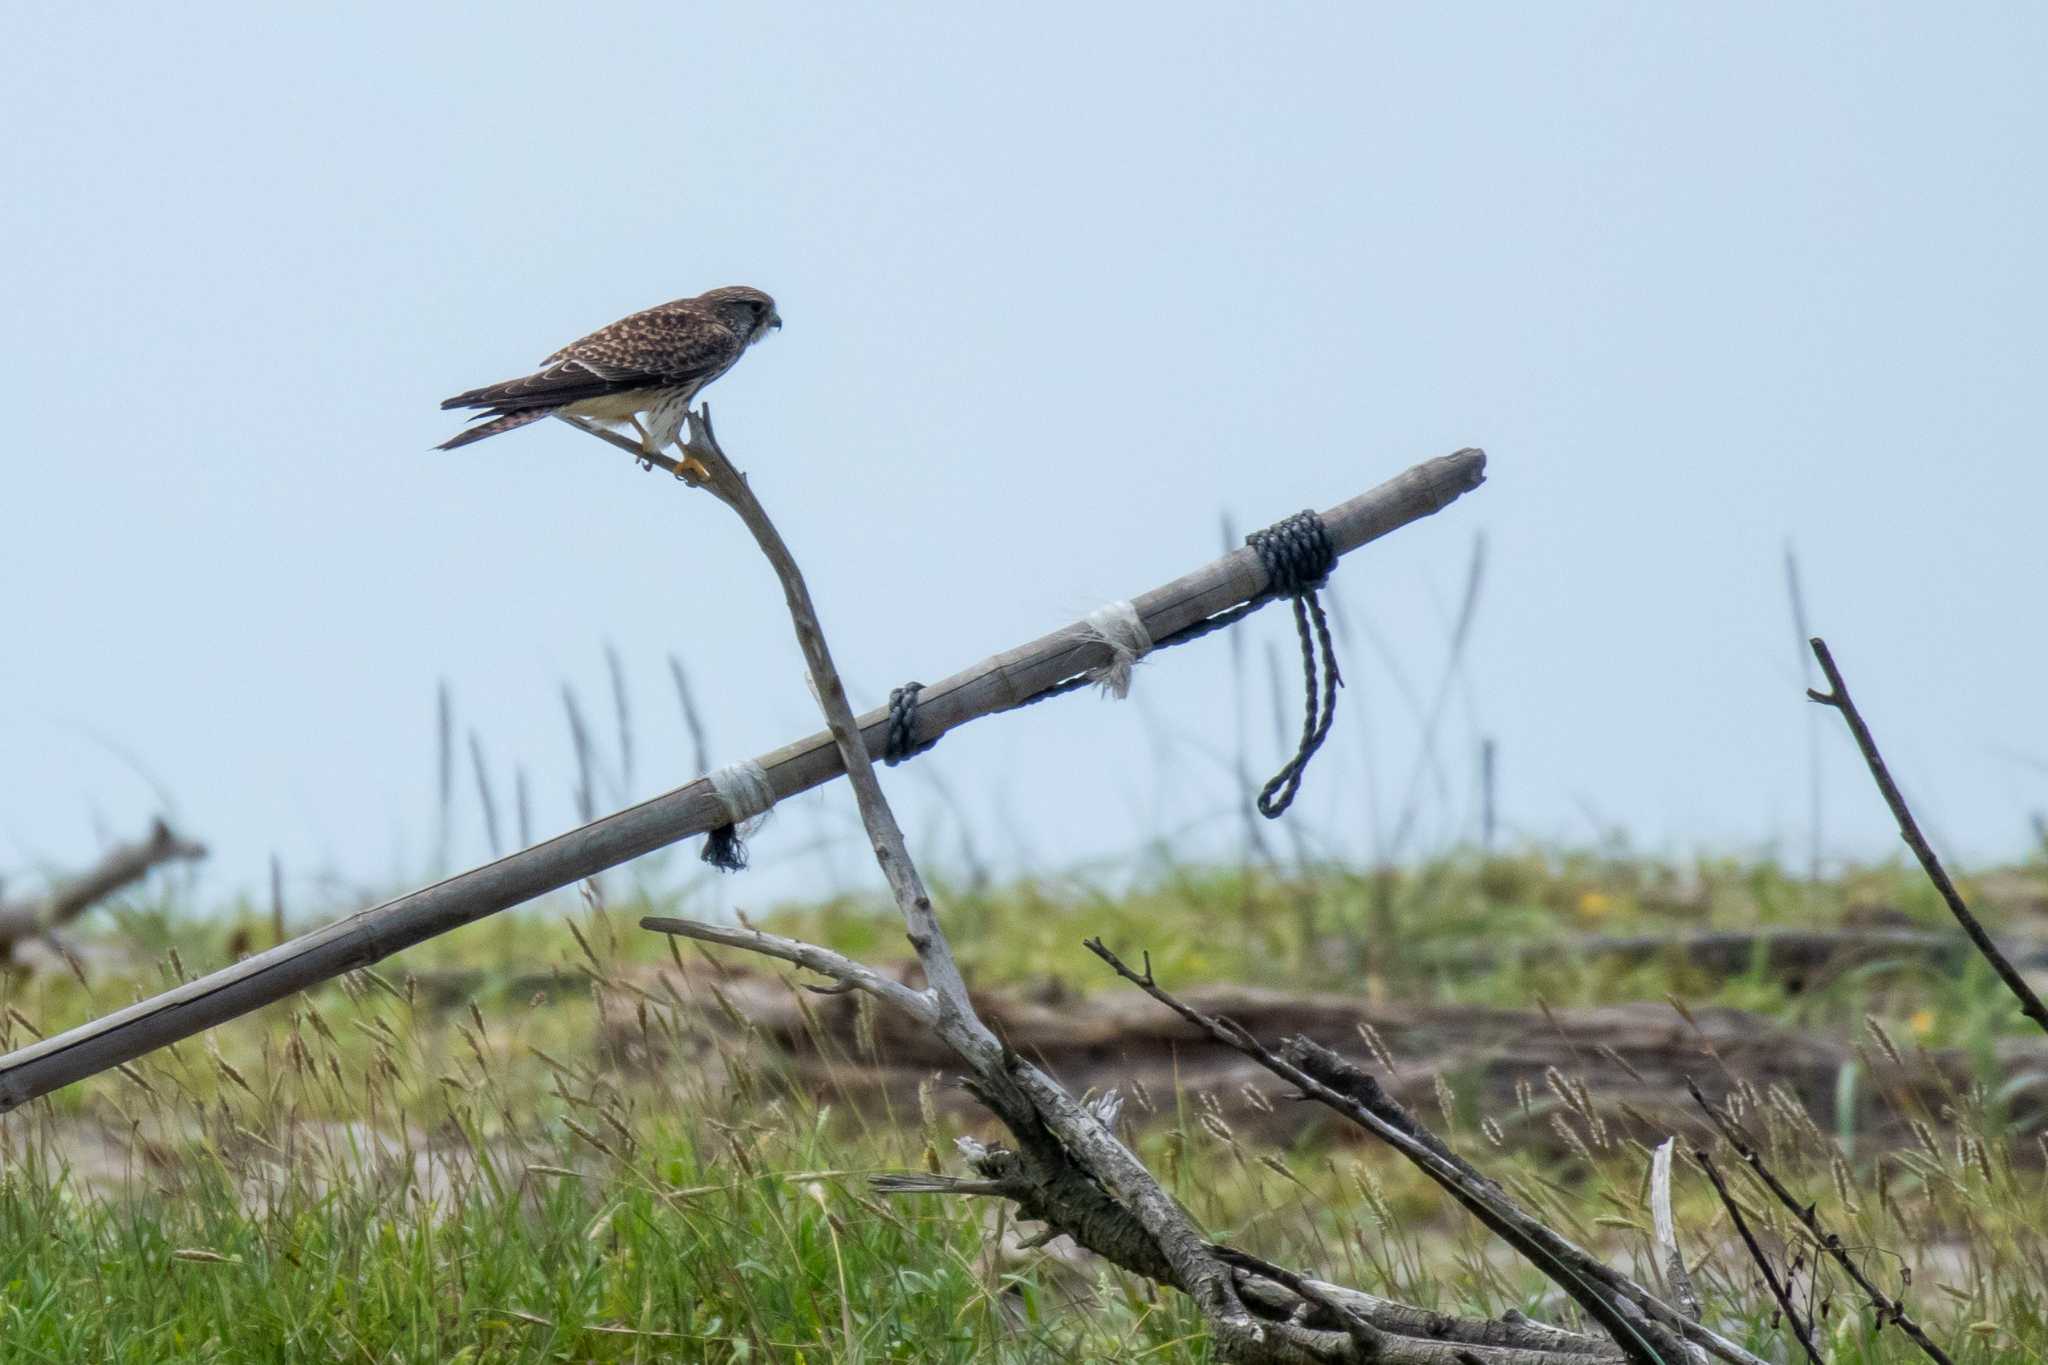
1118,625
743,789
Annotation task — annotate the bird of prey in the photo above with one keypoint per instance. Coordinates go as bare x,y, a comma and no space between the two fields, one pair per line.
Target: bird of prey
651,365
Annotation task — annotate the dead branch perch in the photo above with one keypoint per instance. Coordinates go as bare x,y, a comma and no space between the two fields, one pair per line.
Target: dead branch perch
1072,1170
122,866
1837,696
995,684
1028,1100
1068,1143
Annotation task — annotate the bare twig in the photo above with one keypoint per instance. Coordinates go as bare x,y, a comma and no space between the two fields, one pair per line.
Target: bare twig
1800,1329
1887,1308
1837,696
858,976
1597,1288
1513,1332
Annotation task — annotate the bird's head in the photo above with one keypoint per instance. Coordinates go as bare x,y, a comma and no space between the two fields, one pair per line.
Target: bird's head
749,312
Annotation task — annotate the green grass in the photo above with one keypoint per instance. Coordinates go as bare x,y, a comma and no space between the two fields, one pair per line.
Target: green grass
390,1172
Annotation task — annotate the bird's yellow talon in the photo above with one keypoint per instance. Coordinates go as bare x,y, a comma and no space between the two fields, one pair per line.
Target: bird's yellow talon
693,471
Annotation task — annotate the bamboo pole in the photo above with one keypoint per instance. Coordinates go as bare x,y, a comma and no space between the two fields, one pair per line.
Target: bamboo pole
996,684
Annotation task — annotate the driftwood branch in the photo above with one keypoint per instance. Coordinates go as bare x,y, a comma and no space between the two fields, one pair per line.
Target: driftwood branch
1025,1095
119,868
1052,1184
993,685
1068,1138
851,975
1073,1171
1837,696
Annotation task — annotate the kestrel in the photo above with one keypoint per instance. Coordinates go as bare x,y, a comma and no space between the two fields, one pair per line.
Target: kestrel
650,364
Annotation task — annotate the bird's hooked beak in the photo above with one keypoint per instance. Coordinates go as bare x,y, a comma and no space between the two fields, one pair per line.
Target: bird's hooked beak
775,321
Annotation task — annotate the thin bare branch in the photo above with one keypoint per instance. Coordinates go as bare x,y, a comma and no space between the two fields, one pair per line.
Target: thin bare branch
844,970
1887,1308
1837,696
1631,1314
1800,1329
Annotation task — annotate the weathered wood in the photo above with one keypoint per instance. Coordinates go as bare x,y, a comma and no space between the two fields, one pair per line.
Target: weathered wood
993,685
1057,1132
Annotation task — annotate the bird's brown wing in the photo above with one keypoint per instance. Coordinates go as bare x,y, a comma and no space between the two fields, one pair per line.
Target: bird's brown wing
673,345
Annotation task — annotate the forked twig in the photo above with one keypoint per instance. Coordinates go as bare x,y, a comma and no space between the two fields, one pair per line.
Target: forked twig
1888,1308
1783,1295
1837,696
849,974
1300,1312
1597,1288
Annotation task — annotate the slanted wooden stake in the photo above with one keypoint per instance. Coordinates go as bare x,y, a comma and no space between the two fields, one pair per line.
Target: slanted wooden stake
995,684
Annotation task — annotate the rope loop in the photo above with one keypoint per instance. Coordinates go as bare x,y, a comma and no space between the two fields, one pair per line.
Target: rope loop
901,741
1298,555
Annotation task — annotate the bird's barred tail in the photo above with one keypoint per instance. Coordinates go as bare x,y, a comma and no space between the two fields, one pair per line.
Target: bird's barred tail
511,421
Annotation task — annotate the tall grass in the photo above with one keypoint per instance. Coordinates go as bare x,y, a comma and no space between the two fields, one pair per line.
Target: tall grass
520,1146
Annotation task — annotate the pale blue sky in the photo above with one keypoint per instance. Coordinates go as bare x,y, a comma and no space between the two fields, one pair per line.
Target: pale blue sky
1061,288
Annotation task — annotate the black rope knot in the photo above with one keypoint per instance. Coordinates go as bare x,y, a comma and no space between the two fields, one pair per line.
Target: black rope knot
901,741
725,850
1298,555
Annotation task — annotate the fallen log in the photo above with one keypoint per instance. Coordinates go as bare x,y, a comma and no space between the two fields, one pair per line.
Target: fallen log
119,868
1807,955
1632,1059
